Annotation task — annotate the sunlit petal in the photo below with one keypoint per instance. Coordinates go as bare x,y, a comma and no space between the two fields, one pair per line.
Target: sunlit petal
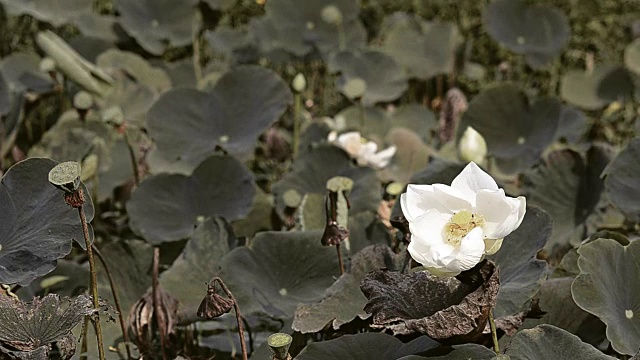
472,179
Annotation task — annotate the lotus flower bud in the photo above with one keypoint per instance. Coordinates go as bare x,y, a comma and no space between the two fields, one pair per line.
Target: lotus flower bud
472,146
299,83
331,14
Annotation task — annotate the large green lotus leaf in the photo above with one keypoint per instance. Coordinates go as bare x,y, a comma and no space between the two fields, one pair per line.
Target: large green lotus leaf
36,226
521,274
377,346
311,171
259,217
156,23
56,12
278,271
623,180
164,207
136,67
549,342
424,48
456,352
412,154
365,229
605,288
632,56
418,119
299,29
101,27
516,131
573,125
371,121
384,78
539,31
114,169
568,187
198,262
187,124
344,301
593,90
21,71
235,44
134,99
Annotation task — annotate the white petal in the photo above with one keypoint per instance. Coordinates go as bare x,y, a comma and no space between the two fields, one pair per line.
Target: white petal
502,214
420,198
382,159
428,228
471,180
421,253
470,251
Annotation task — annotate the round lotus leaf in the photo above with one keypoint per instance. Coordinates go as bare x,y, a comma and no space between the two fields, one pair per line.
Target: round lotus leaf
57,13
538,31
299,29
521,273
516,131
36,226
164,207
66,176
156,23
21,71
412,154
379,346
188,125
343,301
371,121
632,56
623,180
273,275
354,88
114,169
424,48
604,288
549,342
594,90
199,261
568,187
383,77
236,45
100,27
573,125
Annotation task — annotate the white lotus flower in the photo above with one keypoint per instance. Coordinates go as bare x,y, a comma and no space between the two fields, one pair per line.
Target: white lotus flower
361,149
453,227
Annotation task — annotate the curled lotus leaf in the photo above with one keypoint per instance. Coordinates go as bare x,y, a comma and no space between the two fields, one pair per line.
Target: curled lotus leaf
538,31
36,226
156,23
464,300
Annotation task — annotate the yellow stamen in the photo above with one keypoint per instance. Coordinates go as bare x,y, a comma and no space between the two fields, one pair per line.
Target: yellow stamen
460,225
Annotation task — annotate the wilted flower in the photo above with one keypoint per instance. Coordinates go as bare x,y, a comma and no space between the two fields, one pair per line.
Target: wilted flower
361,149
453,227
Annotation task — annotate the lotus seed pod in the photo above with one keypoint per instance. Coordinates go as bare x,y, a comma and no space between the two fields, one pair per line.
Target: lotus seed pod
82,100
47,64
395,188
113,116
66,176
292,198
299,83
354,88
339,183
279,344
472,146
331,14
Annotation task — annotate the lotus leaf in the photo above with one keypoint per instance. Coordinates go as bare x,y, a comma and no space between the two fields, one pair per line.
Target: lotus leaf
539,31
36,226
377,346
56,12
237,45
595,89
384,78
622,180
516,131
136,67
156,23
424,48
21,71
603,288
189,124
632,56
164,207
549,342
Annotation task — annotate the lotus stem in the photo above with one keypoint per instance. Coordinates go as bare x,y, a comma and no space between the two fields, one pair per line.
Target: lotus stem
116,300
243,346
156,302
494,334
132,156
92,269
297,109
340,259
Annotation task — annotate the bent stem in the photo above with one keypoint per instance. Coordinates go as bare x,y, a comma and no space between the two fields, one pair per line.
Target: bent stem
224,287
494,334
116,299
94,281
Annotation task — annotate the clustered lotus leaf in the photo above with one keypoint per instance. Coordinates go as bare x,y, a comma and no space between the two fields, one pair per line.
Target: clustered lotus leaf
622,180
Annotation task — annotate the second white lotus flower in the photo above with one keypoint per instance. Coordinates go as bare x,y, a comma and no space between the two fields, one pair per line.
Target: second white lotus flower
454,227
361,149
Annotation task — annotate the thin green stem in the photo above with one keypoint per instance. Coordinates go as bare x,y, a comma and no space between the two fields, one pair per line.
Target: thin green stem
494,334
340,259
243,345
116,299
132,156
94,281
297,109
159,315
